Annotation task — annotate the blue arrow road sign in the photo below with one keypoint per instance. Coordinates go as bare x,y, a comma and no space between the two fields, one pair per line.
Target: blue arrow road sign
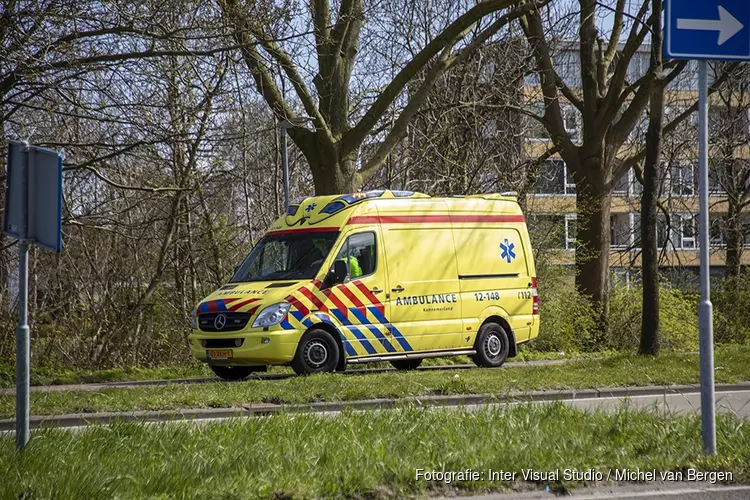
707,29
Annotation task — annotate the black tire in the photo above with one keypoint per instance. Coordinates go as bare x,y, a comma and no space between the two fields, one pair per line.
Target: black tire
317,352
406,364
235,372
492,346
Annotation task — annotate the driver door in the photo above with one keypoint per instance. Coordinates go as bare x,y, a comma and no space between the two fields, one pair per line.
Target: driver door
359,302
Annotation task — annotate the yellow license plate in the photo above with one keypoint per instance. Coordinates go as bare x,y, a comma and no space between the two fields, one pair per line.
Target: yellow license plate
219,354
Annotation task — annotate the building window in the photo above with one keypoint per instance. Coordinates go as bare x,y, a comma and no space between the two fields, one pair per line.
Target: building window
635,224
553,177
567,66
622,184
638,65
535,130
620,231
662,230
683,179
716,180
687,235
570,185
716,233
679,234
571,122
688,79
570,232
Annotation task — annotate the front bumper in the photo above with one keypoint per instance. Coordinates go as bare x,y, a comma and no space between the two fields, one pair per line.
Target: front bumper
279,350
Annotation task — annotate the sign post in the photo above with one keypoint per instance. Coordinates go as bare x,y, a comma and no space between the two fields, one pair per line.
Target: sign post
33,214
706,30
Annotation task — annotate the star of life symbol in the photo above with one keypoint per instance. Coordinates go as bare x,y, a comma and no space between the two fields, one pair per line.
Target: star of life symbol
311,207
507,252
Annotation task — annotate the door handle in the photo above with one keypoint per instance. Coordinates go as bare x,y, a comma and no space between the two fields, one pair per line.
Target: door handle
399,288
376,290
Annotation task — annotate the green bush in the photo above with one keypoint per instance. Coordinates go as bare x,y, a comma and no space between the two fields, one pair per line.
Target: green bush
567,318
731,300
678,319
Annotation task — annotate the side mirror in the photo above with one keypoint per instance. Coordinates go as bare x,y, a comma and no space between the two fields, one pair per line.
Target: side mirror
338,272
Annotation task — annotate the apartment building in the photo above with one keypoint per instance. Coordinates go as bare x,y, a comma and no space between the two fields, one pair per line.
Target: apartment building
551,205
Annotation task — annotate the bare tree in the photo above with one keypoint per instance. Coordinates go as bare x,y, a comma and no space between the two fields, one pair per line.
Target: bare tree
610,103
331,149
649,263
730,133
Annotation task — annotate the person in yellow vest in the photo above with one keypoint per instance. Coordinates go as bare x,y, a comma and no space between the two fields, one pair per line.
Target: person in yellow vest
355,270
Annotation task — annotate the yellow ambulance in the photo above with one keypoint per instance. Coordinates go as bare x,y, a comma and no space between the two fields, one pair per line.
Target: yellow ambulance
380,275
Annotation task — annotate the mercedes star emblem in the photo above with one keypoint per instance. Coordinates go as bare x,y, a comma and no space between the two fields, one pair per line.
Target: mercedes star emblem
220,321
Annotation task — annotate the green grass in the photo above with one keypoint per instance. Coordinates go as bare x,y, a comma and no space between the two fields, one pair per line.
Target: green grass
62,376
732,365
46,375
357,455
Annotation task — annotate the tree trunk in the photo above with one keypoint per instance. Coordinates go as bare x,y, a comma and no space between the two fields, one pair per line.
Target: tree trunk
735,240
649,265
593,202
331,173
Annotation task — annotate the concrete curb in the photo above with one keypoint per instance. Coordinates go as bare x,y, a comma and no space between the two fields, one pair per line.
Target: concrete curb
264,409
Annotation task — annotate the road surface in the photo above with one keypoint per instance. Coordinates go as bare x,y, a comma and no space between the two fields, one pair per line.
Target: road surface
650,491
732,399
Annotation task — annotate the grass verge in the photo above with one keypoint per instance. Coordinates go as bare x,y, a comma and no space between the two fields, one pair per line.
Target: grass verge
358,455
622,370
47,375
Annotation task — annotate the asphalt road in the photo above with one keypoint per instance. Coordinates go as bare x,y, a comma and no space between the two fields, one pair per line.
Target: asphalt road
673,400
737,402
651,491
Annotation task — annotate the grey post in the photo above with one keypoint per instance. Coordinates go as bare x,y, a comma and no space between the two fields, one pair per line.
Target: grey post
285,162
22,348
705,309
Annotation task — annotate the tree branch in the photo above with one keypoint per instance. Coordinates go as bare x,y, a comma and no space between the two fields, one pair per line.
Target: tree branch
354,137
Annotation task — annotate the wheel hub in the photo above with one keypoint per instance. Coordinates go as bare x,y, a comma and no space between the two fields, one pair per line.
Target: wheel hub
316,353
493,345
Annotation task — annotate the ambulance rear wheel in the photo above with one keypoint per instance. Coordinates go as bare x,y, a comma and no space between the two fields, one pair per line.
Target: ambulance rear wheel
406,364
235,372
317,352
492,346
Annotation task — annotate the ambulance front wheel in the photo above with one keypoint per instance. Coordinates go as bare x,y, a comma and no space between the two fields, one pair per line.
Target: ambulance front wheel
317,352
492,346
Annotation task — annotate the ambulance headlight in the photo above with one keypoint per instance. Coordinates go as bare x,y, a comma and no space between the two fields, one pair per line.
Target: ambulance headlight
272,315
194,319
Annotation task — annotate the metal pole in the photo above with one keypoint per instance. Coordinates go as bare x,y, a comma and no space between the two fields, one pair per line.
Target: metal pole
285,164
705,309
22,348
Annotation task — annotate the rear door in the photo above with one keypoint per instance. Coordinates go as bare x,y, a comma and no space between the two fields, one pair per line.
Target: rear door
423,290
493,271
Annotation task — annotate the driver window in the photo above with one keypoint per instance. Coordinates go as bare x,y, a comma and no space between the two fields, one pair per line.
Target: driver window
359,253
274,258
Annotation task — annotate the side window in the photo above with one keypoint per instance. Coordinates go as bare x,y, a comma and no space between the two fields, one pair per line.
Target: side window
360,254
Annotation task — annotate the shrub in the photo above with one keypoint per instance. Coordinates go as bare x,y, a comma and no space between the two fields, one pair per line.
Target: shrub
568,319
678,319
731,300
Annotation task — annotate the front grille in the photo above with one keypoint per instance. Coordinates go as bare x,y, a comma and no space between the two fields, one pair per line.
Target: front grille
221,343
234,321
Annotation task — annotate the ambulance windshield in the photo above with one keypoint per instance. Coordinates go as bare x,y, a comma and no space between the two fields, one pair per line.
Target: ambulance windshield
286,257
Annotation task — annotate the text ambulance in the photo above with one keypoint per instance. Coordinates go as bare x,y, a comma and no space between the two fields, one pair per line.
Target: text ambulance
376,276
